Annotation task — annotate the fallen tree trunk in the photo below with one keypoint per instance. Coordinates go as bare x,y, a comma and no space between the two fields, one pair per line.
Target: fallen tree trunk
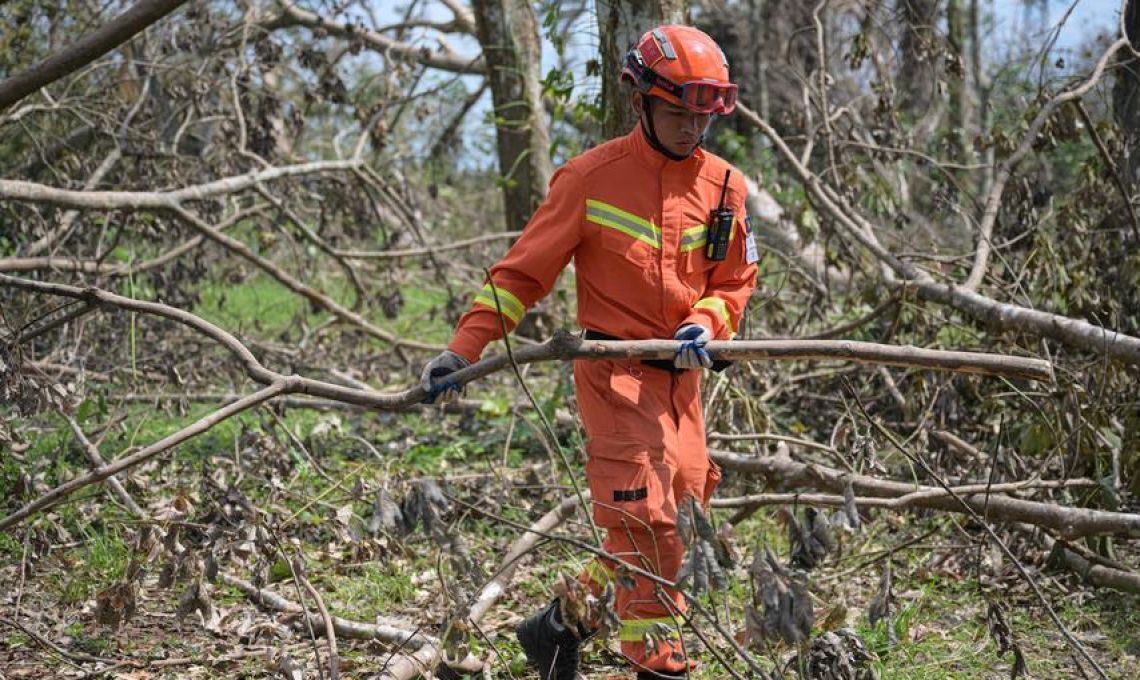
1094,574
1070,523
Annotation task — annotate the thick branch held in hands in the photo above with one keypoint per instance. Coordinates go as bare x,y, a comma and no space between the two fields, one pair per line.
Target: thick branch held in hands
562,346
85,50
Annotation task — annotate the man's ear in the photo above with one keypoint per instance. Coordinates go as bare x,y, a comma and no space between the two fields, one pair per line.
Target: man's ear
637,101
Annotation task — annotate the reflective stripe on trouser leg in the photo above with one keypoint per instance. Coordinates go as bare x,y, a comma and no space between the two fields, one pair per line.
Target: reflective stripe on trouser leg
646,452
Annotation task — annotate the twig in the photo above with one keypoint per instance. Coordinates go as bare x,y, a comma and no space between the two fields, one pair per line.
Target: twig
330,630
202,425
97,460
1113,169
993,200
77,657
765,436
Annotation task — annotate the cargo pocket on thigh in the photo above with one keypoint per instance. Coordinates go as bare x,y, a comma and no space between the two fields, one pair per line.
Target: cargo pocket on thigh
712,479
628,491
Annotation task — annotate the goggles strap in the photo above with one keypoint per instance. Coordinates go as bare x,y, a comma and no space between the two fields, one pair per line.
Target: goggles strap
651,133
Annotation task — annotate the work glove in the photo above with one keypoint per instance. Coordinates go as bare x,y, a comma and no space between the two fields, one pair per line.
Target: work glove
447,362
691,353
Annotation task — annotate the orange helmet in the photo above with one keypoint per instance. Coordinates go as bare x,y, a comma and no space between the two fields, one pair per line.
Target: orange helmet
683,65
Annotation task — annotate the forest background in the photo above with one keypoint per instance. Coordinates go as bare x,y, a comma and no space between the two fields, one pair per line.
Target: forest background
231,233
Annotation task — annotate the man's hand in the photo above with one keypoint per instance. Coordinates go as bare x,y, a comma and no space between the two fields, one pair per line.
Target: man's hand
692,352
443,390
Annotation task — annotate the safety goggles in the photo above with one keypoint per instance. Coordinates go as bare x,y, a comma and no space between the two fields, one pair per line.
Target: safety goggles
698,95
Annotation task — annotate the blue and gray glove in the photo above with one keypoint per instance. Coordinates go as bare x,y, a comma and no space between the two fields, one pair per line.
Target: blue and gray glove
443,390
691,353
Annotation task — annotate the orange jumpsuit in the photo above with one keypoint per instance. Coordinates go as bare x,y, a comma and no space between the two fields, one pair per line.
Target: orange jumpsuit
635,224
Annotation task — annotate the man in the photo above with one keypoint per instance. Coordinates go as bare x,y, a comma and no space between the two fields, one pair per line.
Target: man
662,248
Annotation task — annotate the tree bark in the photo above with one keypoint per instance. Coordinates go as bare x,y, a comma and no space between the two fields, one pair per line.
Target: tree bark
508,33
917,75
86,50
1126,95
621,23
956,78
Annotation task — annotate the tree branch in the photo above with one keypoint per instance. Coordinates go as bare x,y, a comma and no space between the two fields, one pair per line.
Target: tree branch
442,60
993,200
86,50
1068,522
32,192
562,346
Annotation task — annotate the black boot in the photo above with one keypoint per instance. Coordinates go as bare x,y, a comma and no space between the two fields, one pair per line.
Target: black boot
549,645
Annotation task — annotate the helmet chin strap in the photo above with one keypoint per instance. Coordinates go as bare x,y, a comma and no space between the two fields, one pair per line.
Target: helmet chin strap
655,142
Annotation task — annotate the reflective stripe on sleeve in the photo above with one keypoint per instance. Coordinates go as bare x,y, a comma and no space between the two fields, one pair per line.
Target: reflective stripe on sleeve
512,308
694,237
634,630
720,307
617,219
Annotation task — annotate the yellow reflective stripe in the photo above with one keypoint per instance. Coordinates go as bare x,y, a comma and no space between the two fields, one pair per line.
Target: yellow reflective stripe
599,573
720,307
694,237
512,308
635,629
627,223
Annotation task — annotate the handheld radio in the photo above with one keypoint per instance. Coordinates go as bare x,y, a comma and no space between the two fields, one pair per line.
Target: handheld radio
720,226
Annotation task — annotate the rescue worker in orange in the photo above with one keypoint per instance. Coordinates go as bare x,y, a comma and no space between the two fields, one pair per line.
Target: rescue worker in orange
637,214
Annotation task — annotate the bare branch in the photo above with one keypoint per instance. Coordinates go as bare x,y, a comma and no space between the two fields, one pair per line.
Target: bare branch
198,427
914,499
435,248
32,192
97,460
1068,522
442,60
85,50
348,629
993,200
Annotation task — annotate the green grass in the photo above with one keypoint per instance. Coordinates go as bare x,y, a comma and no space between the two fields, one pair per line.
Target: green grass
261,306
374,588
258,305
100,560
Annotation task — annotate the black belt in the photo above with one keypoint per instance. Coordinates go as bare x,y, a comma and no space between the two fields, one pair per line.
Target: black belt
660,364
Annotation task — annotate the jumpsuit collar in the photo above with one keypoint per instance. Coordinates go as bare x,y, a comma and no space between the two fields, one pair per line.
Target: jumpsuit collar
653,158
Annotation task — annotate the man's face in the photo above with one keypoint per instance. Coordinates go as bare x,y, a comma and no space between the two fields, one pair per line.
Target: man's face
678,129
